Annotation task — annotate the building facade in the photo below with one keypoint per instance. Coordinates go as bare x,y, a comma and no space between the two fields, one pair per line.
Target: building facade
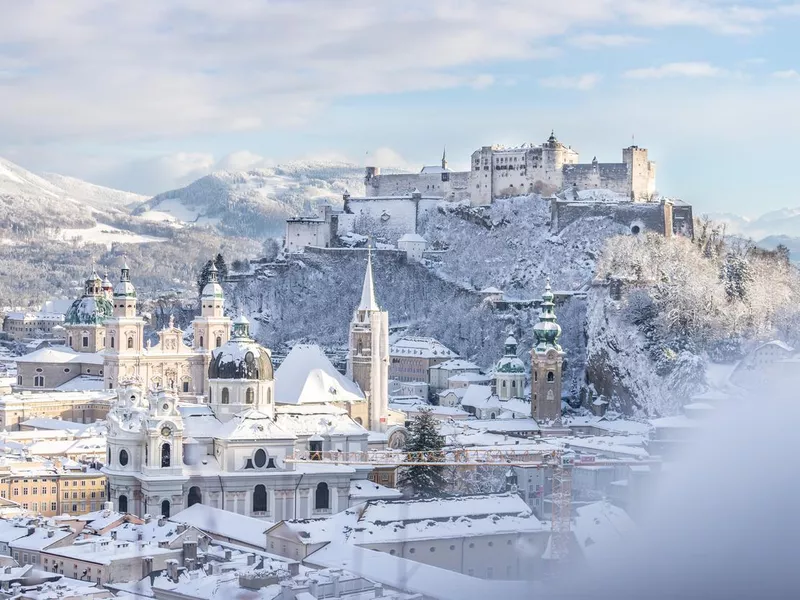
509,372
412,357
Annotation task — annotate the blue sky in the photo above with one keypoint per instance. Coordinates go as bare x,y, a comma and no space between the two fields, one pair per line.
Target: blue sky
150,95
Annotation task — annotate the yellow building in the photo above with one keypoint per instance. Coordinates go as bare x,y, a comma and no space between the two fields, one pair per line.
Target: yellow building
48,490
80,407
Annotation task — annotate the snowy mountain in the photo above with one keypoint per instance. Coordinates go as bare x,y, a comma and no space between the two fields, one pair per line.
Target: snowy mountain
784,221
254,203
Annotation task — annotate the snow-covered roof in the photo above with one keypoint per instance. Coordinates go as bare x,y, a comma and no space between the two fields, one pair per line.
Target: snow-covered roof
364,489
443,508
477,396
469,377
458,392
316,419
421,347
55,424
412,576
252,424
491,290
54,354
82,382
435,169
40,539
457,364
412,237
307,376
776,344
599,526
105,550
224,523
12,530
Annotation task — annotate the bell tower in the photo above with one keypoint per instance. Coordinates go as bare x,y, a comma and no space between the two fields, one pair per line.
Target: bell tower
547,359
368,356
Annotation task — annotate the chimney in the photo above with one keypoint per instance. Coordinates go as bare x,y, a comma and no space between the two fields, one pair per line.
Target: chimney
294,569
251,560
227,555
189,550
114,535
287,593
180,528
50,533
31,530
147,518
202,542
108,506
172,570
147,566
190,564
378,589
337,588
161,521
140,536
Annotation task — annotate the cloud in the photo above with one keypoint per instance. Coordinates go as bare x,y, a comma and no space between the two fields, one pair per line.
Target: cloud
579,82
790,74
160,173
151,70
595,40
243,160
677,69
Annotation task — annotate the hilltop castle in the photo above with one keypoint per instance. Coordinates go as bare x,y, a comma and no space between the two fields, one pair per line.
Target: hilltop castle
497,171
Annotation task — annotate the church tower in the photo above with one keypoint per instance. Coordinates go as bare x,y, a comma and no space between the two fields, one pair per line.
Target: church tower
368,356
547,359
509,372
124,333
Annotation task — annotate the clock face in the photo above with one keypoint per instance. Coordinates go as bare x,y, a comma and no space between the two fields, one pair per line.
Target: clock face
165,431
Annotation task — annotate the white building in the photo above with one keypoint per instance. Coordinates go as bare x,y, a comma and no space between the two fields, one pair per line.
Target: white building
440,374
509,372
413,245
312,231
232,452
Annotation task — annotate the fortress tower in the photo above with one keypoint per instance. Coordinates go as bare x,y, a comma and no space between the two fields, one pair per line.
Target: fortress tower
547,359
368,356
641,172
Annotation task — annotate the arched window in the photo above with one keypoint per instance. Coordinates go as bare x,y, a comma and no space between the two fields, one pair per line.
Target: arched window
123,457
513,383
165,508
248,396
38,381
165,454
108,456
146,456
219,341
85,341
260,499
226,396
130,343
322,497
269,395
123,504
359,420
536,375
360,347
260,458
112,341
201,341
551,377
504,383
195,497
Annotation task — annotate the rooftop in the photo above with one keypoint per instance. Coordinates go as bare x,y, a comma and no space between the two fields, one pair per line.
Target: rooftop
223,523
421,347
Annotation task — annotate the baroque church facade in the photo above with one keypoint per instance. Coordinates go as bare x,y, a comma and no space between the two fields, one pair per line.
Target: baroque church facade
233,448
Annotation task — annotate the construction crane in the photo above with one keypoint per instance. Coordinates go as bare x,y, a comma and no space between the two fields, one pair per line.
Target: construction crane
561,461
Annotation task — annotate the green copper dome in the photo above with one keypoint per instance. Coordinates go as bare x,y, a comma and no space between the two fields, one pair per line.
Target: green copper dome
89,310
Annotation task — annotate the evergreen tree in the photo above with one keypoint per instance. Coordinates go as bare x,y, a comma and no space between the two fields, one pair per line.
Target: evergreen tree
222,267
426,480
203,277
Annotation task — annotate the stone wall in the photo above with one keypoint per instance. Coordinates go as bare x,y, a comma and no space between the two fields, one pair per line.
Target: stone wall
638,216
388,218
608,176
430,184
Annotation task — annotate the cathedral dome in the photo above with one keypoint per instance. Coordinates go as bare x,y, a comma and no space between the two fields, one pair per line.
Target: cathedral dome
509,364
89,310
242,357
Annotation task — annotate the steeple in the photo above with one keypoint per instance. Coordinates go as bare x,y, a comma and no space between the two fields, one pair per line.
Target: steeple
547,330
213,276
368,290
444,157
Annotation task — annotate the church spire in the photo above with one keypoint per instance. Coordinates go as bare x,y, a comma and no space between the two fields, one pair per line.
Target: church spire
444,157
368,290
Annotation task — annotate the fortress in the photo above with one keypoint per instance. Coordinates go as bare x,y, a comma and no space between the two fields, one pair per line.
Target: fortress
497,172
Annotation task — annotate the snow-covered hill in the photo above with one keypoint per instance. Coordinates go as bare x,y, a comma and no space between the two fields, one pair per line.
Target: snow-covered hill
96,196
254,203
781,222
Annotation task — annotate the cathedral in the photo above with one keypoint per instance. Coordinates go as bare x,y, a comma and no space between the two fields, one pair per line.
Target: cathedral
230,447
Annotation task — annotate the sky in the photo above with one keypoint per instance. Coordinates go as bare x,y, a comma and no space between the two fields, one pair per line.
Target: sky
150,95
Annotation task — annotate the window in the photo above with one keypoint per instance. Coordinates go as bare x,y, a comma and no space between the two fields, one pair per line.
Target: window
130,342
123,458
433,548
165,508
412,551
34,491
185,387
452,547
315,448
551,377
122,504
322,500
226,396
38,381
195,497
248,396
260,458
219,341
201,341
165,454
85,341
536,375
112,341
24,491
53,506
66,370
260,499
19,379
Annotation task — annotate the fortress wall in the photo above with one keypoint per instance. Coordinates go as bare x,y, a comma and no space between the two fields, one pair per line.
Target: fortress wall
609,176
646,216
388,218
430,184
